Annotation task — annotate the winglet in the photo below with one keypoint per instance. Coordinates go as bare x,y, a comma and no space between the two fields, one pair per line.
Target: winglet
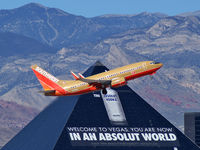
74,75
81,76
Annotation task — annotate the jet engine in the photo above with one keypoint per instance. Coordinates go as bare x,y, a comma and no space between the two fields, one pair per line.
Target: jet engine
119,81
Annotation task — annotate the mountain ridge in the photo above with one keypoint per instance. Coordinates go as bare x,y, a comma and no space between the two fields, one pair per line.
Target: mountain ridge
75,42
66,29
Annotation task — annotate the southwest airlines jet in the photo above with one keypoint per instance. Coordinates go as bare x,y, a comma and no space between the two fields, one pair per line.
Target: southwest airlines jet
114,78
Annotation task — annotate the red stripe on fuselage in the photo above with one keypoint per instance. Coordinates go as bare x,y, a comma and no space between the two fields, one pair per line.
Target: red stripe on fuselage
82,91
141,74
47,81
127,78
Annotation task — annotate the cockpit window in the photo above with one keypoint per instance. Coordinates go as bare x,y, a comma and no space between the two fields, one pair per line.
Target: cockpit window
154,63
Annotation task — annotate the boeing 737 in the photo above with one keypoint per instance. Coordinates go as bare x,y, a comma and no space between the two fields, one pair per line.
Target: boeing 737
114,78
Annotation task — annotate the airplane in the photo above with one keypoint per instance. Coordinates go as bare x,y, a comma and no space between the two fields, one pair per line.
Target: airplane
114,78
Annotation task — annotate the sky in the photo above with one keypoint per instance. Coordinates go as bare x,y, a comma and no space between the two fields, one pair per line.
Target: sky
91,8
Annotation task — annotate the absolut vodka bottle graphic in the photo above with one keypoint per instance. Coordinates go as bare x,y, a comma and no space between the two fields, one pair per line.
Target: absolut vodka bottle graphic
114,107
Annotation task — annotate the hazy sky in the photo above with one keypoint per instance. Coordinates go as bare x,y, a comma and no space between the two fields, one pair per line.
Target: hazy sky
90,8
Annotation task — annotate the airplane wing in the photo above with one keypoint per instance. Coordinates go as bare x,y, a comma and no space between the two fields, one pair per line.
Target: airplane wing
97,83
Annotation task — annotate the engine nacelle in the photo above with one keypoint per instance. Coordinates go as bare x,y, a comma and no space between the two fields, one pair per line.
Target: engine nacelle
119,81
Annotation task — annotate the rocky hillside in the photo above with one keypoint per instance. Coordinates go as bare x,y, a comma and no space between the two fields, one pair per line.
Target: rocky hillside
59,42
13,118
12,44
175,42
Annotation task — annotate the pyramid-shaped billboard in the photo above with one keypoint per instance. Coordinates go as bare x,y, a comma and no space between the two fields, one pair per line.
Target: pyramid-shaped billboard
121,119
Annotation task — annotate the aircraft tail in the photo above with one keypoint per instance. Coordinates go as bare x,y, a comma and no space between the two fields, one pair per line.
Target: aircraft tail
48,81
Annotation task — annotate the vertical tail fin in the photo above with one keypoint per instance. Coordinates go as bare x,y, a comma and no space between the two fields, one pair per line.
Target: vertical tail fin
48,81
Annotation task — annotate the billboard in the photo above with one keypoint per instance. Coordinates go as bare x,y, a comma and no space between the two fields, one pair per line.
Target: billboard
122,136
119,132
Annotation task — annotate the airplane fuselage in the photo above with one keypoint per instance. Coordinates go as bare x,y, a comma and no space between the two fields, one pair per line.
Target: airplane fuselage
120,75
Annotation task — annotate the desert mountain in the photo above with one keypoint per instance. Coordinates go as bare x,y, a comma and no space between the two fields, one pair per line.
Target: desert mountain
59,42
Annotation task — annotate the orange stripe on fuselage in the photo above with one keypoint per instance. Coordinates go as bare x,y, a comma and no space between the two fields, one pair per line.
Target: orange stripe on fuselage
90,89
48,82
81,92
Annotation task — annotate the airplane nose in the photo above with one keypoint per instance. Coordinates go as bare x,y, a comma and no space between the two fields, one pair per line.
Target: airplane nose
159,64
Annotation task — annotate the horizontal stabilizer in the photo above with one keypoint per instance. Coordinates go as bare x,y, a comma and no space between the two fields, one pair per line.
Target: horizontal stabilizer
48,92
